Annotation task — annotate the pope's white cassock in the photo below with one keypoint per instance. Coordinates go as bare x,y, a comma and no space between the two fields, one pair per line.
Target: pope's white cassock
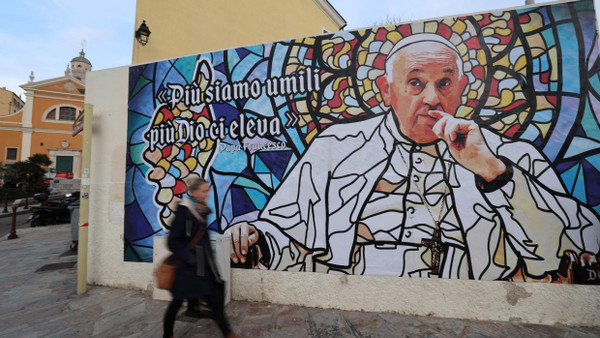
363,199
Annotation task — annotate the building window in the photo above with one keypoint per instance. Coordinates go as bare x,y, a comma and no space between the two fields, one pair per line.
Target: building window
11,154
51,115
67,114
62,114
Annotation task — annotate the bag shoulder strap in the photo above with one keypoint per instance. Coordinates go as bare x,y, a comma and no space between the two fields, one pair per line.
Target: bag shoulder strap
196,238
188,230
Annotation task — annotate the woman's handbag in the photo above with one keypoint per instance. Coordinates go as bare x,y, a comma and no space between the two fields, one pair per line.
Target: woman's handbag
165,273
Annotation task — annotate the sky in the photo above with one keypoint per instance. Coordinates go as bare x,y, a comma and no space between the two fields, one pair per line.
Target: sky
44,35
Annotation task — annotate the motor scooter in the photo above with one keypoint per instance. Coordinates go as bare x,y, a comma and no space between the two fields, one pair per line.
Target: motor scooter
68,200
53,212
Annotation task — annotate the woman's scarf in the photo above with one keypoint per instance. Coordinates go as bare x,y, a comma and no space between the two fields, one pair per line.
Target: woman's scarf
198,209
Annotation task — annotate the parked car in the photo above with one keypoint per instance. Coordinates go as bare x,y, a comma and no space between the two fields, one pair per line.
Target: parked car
68,175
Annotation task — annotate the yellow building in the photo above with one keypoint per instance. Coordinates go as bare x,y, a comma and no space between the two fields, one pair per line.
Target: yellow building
44,125
10,103
185,27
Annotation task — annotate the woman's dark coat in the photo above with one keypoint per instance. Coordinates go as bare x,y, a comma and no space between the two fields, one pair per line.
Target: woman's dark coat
188,284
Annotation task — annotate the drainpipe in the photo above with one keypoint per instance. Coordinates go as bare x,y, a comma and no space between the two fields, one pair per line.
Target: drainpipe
84,203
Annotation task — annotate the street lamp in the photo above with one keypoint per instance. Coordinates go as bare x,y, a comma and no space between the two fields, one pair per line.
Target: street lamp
142,34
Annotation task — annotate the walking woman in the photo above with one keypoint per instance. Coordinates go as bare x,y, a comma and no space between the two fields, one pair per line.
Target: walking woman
197,275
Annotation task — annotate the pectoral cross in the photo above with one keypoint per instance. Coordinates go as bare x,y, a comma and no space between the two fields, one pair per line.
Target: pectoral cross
437,248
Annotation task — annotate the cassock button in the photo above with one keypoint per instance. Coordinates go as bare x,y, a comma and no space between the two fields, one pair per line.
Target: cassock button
418,160
416,178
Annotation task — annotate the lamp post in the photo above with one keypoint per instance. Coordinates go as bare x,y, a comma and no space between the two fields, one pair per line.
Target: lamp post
5,203
26,185
142,34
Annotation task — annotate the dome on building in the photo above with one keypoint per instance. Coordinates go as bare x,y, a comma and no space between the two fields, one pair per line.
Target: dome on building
81,58
79,65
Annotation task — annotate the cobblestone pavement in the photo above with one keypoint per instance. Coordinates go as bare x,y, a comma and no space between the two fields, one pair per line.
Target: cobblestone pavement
38,299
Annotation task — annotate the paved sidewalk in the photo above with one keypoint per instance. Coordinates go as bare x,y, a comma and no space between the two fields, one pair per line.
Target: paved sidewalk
38,299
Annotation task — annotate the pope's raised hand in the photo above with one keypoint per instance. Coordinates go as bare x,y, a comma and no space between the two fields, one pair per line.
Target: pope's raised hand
467,145
243,236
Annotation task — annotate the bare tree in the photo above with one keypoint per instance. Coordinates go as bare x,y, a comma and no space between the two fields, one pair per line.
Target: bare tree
390,20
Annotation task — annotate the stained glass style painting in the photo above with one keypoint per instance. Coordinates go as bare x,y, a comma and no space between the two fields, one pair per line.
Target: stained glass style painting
461,147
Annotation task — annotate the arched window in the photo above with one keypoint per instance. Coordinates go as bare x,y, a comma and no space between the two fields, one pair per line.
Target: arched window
62,114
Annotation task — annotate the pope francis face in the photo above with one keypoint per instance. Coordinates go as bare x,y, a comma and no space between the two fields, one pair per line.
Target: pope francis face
422,77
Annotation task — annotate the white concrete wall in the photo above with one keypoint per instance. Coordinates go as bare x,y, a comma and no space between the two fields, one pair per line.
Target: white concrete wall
537,303
525,302
107,91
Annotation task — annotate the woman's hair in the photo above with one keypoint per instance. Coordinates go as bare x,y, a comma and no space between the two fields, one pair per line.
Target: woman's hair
195,183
